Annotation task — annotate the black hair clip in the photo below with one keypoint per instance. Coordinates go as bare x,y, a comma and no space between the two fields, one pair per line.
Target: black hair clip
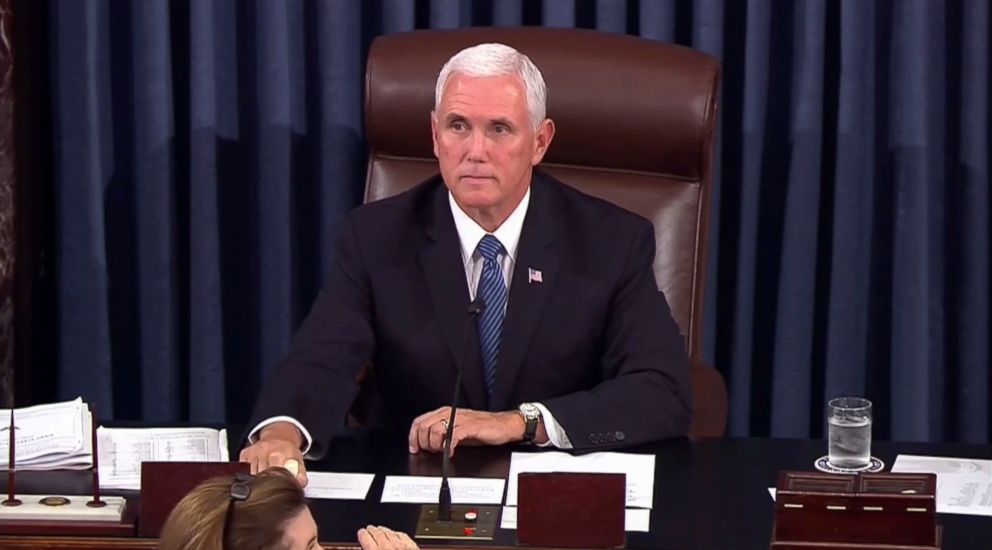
240,490
241,486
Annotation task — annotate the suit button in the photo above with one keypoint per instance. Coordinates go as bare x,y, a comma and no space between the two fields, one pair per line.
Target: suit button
620,436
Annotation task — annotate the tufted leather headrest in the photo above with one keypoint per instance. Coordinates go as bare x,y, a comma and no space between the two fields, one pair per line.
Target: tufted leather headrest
618,101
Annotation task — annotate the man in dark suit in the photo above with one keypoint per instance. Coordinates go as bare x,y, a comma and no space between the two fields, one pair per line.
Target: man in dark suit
574,347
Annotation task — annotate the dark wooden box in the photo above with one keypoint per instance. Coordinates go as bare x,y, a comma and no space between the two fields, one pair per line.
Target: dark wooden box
855,512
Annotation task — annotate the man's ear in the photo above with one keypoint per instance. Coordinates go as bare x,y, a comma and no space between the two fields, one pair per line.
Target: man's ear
434,135
542,140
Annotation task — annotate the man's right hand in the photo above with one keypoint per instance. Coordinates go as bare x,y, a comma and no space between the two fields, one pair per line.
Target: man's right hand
377,537
277,443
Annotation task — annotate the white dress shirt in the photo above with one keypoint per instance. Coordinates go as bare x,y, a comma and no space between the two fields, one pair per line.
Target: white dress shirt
470,233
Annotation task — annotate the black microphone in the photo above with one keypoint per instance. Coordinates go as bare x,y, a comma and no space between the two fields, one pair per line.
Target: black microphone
444,498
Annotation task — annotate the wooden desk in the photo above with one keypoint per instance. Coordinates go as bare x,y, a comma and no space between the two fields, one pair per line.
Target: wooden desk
710,493
96,543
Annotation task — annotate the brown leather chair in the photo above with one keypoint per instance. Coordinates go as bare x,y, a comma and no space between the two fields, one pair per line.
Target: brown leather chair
635,122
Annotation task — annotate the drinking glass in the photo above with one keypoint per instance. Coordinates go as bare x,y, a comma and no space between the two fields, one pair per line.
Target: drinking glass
849,433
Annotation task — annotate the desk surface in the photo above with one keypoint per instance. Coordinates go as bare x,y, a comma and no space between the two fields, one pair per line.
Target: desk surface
709,493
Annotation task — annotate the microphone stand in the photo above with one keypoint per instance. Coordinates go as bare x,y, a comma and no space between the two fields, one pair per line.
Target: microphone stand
444,497
444,521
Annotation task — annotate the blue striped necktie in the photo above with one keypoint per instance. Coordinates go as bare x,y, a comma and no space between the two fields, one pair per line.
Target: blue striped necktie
492,290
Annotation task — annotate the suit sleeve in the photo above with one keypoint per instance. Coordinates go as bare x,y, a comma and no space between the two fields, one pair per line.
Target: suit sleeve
645,392
315,384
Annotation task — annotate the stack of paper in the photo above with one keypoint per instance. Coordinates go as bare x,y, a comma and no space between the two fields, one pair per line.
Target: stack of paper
60,436
122,450
48,437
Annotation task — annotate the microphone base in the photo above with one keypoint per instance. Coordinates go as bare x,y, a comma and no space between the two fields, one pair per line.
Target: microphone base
483,528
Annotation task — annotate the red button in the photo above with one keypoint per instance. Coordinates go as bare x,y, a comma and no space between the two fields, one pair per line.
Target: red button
469,531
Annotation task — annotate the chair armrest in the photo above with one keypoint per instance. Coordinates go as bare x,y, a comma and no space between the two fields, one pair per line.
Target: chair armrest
709,401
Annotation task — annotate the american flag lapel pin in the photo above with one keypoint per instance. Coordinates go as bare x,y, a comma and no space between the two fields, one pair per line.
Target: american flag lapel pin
534,275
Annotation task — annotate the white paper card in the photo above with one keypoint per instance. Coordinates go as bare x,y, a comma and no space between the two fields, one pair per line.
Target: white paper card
638,468
635,519
964,485
425,490
337,485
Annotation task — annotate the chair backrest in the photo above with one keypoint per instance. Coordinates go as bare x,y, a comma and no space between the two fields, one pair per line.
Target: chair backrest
634,120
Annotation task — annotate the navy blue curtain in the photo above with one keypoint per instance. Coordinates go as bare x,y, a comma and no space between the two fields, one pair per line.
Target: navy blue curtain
204,151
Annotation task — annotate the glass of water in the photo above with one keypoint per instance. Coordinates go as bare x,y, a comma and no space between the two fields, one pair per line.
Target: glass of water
849,433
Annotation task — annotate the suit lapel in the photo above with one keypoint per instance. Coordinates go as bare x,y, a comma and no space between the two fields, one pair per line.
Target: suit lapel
445,276
527,298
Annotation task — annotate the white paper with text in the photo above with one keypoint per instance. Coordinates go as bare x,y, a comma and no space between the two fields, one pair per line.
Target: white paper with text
48,437
337,485
964,485
122,450
425,490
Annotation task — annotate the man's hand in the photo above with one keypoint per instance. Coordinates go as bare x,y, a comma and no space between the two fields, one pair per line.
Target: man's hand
471,428
278,445
382,538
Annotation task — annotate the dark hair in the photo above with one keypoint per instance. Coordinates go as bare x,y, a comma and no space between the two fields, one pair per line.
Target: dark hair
257,523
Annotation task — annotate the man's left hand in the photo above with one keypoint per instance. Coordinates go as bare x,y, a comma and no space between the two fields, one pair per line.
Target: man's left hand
471,428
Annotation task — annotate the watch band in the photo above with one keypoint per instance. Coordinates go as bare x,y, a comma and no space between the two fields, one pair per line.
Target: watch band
531,416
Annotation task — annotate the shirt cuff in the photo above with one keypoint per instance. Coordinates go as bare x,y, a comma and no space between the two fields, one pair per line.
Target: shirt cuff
253,436
556,434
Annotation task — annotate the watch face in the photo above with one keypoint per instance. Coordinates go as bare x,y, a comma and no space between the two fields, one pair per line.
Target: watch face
529,410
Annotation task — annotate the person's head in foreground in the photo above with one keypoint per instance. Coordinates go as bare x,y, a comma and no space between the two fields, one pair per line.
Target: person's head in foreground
263,512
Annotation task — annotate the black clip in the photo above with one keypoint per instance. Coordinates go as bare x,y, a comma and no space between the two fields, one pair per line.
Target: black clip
241,486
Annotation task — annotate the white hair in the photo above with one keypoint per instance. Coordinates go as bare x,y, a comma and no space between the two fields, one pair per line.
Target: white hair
495,59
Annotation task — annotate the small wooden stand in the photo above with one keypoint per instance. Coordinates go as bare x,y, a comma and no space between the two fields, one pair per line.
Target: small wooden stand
571,510
68,515
857,512
61,514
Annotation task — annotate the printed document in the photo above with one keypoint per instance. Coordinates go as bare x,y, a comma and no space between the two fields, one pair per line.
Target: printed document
122,450
49,437
638,468
964,485
425,490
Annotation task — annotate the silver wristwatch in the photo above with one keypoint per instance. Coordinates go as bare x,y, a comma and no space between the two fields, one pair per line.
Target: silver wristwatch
531,415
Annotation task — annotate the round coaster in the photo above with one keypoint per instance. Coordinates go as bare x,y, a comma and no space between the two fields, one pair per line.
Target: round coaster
823,464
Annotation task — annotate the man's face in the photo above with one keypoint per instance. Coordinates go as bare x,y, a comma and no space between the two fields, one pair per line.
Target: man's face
486,144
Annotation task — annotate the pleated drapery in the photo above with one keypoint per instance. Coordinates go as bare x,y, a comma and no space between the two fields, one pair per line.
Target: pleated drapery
205,151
